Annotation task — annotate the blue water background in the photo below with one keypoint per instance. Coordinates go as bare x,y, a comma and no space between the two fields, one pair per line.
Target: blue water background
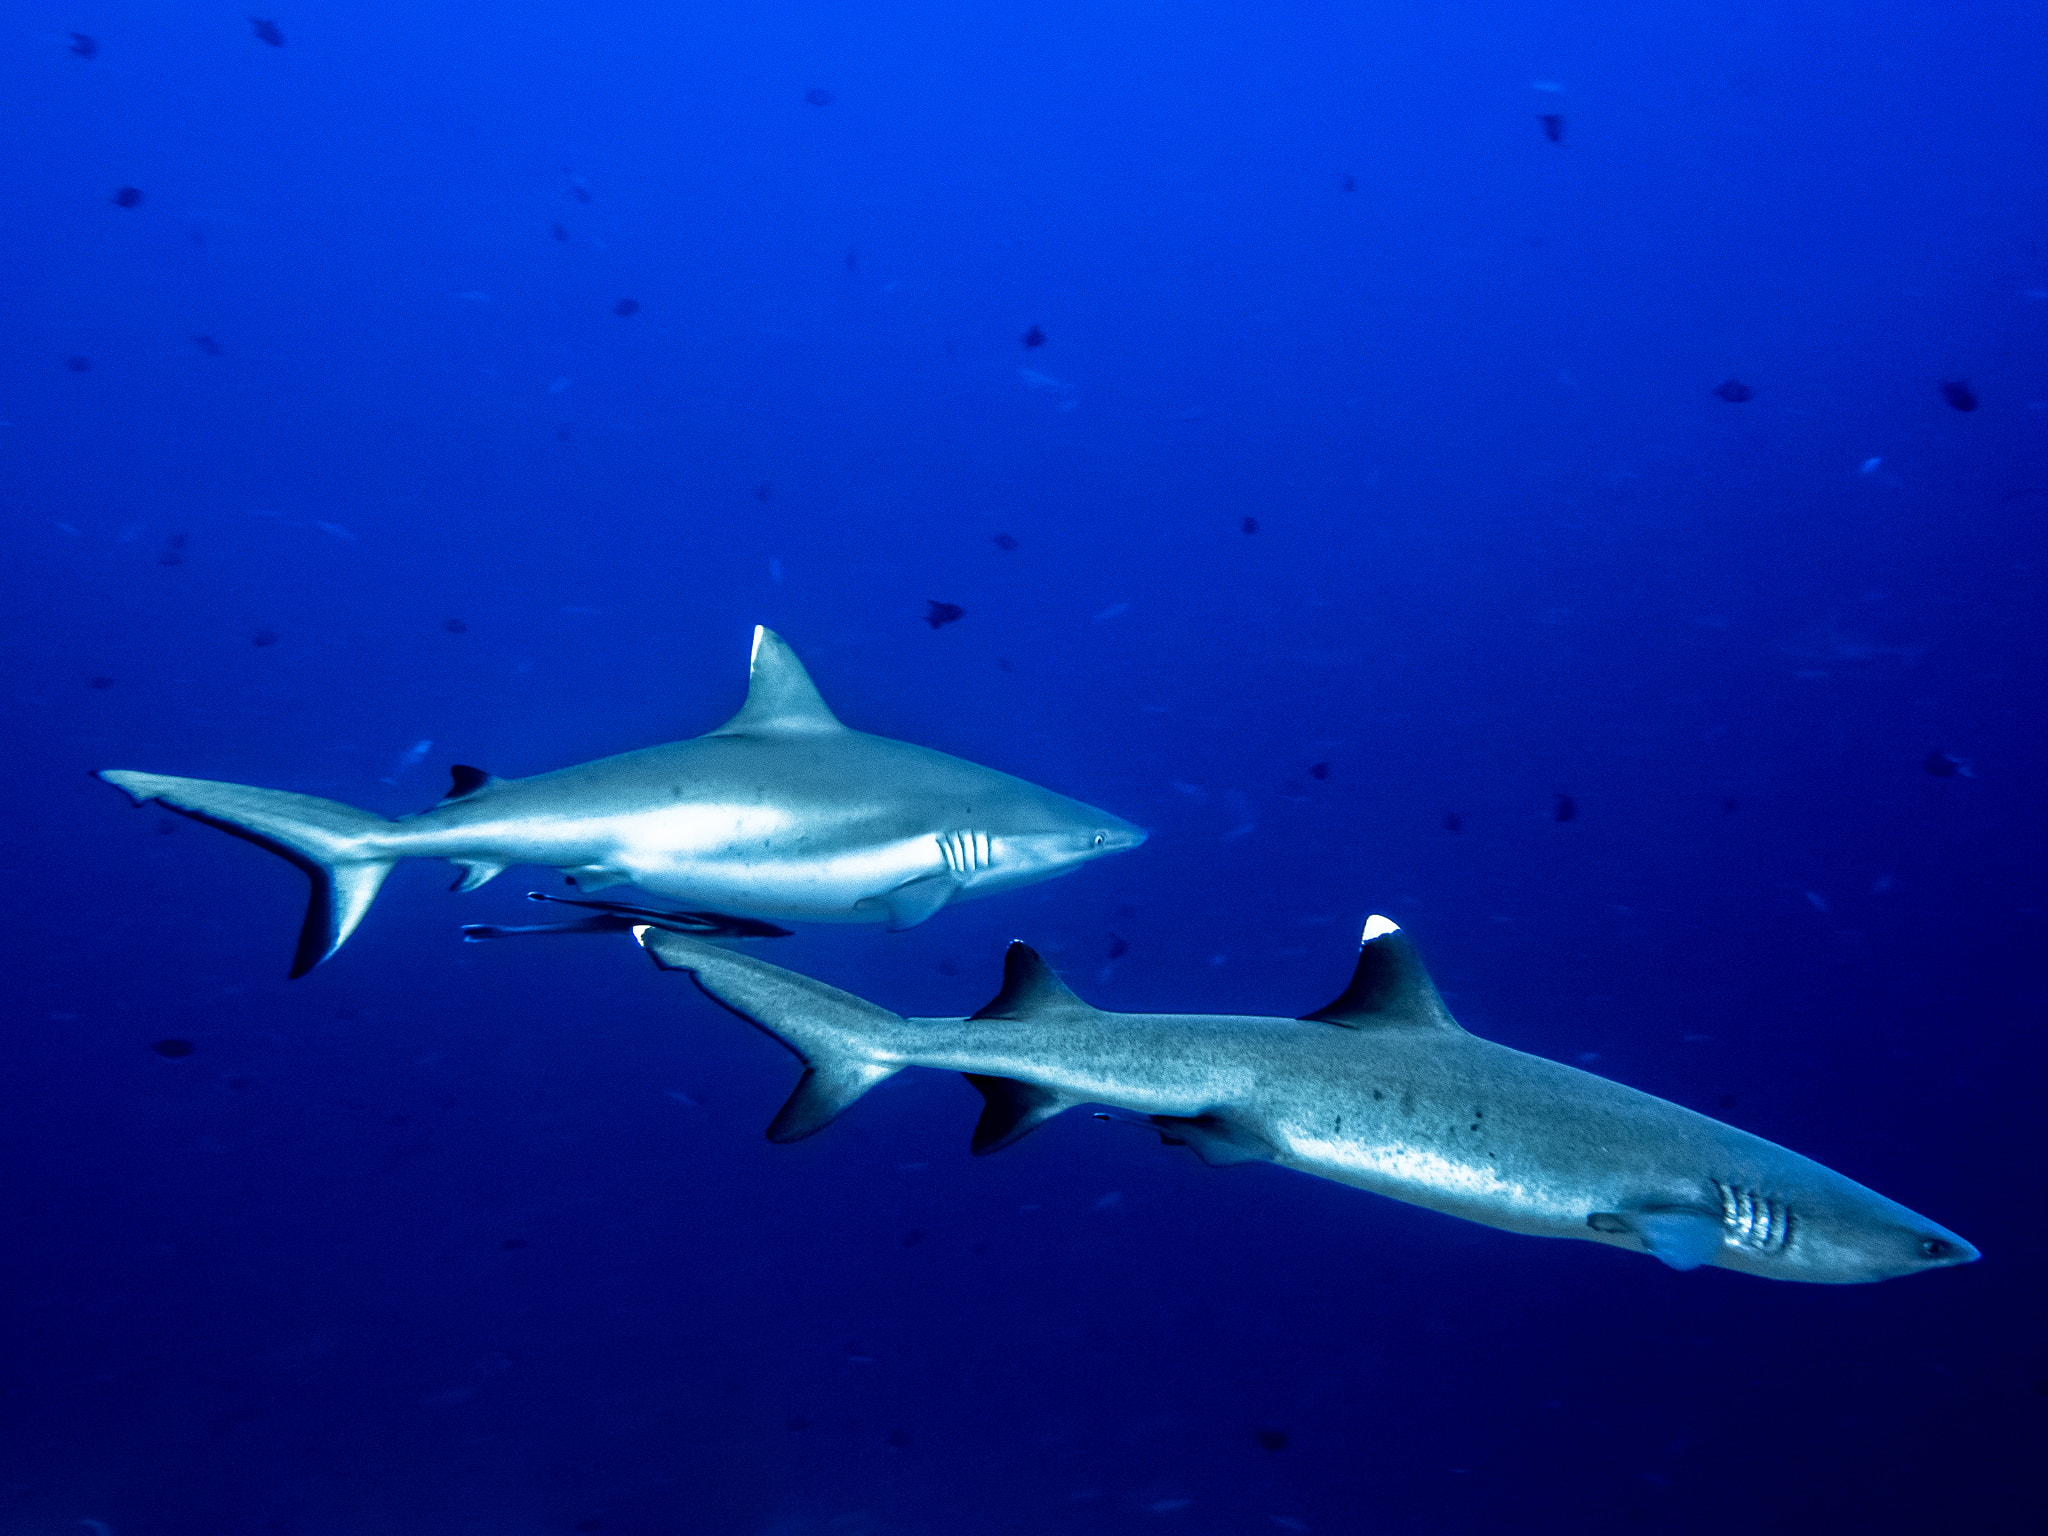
454,1239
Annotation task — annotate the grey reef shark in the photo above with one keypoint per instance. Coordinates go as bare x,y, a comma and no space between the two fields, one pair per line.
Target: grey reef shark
782,812
1382,1090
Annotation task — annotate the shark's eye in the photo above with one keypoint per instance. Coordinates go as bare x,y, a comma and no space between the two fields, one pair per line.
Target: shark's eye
1935,1248
1101,838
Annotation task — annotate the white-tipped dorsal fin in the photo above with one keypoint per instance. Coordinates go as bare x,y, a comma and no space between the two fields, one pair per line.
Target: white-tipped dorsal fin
1389,986
781,699
1030,989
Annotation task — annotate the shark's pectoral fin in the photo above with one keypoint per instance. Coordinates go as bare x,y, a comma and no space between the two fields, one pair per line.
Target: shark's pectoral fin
828,1086
475,872
1683,1236
912,902
596,877
1013,1111
1216,1139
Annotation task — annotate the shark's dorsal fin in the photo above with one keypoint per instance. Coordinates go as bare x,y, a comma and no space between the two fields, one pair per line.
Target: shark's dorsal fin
1030,989
781,698
1389,989
465,781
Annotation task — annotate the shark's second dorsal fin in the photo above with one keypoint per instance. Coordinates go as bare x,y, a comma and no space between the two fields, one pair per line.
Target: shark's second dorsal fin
1390,987
1030,989
781,698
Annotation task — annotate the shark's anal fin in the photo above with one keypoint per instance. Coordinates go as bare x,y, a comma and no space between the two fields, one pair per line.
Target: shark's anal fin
475,872
1389,987
781,698
1030,989
1012,1111
912,902
828,1086
596,877
1683,1236
1216,1139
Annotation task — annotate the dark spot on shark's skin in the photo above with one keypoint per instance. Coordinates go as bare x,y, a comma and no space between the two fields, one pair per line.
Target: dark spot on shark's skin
266,31
1408,1102
1034,337
1565,809
1959,394
127,197
1734,391
1377,1094
1004,541
626,308
173,1049
1271,1439
1553,126
941,614
85,46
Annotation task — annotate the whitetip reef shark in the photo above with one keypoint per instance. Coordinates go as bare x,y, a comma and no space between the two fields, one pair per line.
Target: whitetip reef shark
1382,1090
782,812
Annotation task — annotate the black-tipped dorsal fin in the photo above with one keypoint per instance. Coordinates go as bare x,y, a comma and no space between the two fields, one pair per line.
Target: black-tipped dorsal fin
1389,988
1030,989
464,781
781,698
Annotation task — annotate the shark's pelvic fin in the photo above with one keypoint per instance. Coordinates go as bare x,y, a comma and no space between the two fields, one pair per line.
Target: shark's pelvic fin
596,877
1216,1139
781,698
335,844
1683,1236
913,901
475,872
1012,1111
1389,987
1030,989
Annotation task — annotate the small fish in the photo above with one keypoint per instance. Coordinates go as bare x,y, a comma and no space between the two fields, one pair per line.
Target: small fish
558,232
335,529
1113,611
1553,126
1004,541
1734,391
1249,525
1034,337
261,638
560,384
1946,765
1959,394
1319,770
1453,822
266,31
412,757
939,614
818,96
455,626
1869,466
626,307
1349,184
86,48
127,197
207,345
78,364
172,1049
1039,380
1565,809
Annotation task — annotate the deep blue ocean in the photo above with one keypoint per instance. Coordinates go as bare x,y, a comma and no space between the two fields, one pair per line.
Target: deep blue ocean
1570,477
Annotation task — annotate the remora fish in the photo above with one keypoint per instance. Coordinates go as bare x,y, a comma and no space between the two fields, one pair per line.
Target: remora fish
1382,1089
782,812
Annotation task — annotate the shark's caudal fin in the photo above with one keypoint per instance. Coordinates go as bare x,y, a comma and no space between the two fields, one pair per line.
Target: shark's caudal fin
1390,987
336,845
781,698
842,1040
